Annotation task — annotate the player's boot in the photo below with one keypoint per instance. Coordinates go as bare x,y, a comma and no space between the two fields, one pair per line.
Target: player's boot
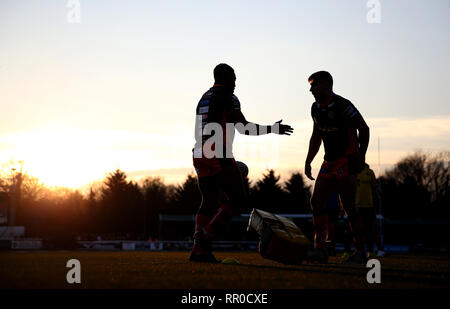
202,250
317,255
358,257
207,257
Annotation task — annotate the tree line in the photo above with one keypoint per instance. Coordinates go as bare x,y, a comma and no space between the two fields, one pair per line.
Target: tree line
416,187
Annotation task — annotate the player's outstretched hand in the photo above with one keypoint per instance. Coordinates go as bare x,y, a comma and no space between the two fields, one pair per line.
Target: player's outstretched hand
282,129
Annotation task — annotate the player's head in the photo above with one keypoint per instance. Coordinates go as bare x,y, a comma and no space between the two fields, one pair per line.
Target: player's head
224,75
321,85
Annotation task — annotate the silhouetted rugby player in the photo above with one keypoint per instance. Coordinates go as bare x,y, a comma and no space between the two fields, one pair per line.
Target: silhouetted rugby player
337,123
218,111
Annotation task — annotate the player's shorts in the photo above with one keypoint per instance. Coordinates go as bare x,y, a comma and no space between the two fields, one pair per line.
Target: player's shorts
341,167
205,167
335,169
227,187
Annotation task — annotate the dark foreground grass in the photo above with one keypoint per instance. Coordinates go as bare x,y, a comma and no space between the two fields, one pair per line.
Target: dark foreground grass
172,270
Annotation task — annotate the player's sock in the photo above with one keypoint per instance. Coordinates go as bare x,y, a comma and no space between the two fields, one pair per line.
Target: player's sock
378,242
357,227
320,223
348,240
331,247
222,217
200,222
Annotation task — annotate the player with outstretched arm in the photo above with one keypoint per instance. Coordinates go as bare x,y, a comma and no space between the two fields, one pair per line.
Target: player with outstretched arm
218,114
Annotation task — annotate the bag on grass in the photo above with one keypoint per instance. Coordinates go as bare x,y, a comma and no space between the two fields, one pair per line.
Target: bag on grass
279,238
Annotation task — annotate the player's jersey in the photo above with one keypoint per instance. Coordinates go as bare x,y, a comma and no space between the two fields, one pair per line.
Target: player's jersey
365,183
333,121
212,113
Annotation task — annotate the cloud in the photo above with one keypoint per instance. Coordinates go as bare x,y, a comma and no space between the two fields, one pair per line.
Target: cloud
417,128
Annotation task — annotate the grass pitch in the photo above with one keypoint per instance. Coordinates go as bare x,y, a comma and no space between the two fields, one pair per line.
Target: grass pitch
172,270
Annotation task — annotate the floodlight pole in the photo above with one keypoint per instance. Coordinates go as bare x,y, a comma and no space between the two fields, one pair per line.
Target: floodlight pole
380,202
